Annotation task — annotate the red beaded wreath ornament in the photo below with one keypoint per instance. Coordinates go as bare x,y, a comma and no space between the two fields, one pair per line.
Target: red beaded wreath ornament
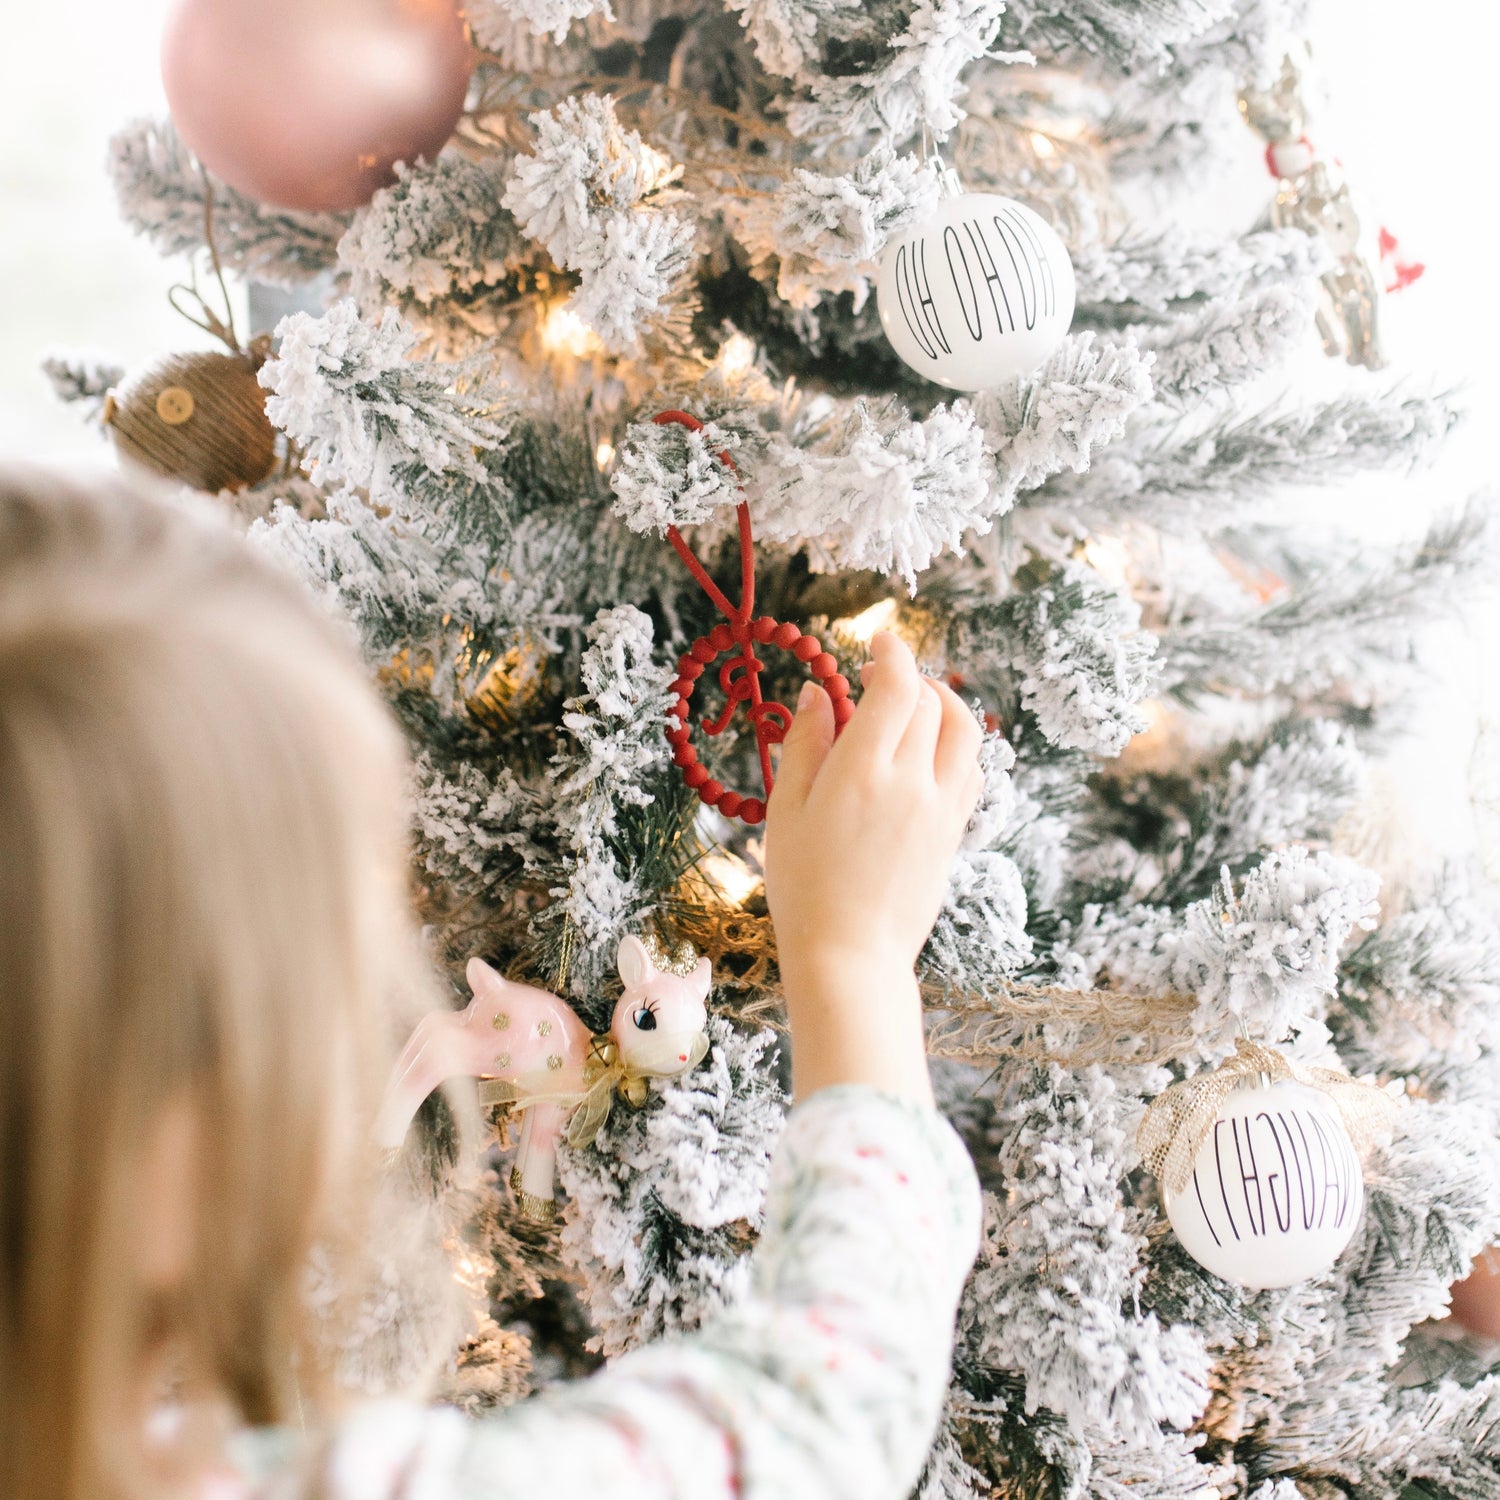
740,675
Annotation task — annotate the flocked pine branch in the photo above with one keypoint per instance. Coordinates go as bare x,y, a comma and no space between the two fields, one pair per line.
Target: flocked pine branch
669,1199
1310,1394
672,475
1053,419
541,17
1081,661
1296,785
823,233
880,490
161,190
438,231
1422,993
890,68
1053,1294
1262,952
1171,120
616,747
916,83
82,378
1171,272
1191,482
1125,35
365,414
1351,625
1229,344
1042,826
948,1474
441,611
980,936
1444,1442
597,197
478,831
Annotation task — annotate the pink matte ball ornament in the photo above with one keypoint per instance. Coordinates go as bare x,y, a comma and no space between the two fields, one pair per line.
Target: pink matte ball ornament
308,104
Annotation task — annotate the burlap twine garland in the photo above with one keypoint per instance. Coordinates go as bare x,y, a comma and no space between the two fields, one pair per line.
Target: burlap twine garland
1039,1023
1072,1028
1179,1120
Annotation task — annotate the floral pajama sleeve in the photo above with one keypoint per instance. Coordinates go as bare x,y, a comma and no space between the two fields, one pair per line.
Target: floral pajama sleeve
825,1381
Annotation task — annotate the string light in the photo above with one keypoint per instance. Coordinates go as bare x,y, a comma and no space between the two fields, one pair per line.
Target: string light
863,626
737,356
731,876
564,332
1159,743
1042,144
604,453
1109,557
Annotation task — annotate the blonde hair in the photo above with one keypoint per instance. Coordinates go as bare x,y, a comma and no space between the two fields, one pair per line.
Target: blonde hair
201,896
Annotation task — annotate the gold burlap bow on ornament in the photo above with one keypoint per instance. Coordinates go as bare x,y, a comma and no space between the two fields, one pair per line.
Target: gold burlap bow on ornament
1180,1119
605,1074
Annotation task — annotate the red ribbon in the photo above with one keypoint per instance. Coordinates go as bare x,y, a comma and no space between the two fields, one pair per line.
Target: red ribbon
771,720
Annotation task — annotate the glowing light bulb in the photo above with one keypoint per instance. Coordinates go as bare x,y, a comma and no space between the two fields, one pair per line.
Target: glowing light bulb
1042,145
564,332
604,453
733,878
864,625
737,356
1109,557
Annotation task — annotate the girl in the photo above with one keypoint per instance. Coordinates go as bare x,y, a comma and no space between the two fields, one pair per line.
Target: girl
202,926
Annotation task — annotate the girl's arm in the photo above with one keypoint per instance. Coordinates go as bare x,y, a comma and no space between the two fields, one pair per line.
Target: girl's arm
827,1379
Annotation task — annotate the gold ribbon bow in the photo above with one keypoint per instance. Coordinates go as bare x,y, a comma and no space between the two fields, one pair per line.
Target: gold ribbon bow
605,1073
1179,1120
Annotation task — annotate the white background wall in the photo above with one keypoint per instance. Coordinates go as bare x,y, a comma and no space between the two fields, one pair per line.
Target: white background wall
71,275
1412,91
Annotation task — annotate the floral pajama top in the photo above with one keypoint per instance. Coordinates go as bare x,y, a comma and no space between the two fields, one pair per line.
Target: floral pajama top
826,1380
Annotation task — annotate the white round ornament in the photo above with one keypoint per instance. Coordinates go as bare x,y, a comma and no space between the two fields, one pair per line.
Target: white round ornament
979,293
1276,1191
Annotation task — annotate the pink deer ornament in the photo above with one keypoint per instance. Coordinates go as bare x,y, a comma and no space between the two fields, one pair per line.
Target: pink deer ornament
536,1055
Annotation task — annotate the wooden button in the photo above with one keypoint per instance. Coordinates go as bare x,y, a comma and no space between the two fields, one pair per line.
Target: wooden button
175,405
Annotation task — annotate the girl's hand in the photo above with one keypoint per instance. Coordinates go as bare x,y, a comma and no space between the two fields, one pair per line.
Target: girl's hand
860,835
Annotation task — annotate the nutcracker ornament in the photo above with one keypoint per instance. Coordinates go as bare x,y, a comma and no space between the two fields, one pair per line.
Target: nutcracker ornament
1259,1165
979,293
534,1053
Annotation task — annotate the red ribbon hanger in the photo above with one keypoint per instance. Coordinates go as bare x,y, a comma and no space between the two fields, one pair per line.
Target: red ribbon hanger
739,677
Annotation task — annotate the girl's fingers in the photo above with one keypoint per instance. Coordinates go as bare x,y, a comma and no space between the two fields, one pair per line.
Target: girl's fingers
806,746
918,746
958,740
892,688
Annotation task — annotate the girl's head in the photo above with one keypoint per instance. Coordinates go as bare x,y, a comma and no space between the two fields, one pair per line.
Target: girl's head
201,910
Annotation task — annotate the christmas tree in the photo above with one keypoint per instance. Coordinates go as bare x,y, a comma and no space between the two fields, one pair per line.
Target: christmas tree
653,207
